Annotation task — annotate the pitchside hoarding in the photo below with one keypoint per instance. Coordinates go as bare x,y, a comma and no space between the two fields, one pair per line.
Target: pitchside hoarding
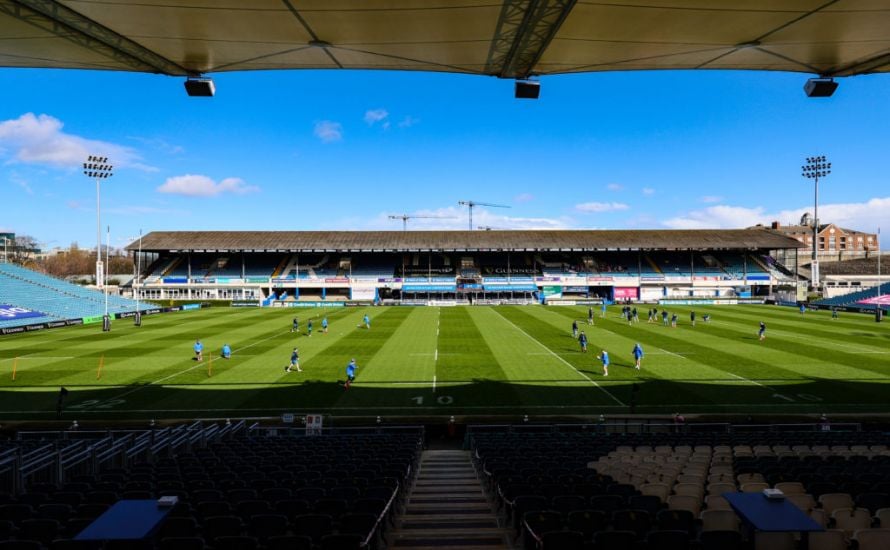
12,313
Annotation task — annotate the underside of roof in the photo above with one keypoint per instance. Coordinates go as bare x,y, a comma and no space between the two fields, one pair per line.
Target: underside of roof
504,38
445,241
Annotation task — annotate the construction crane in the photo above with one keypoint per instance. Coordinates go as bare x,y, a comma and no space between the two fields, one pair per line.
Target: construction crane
406,217
472,204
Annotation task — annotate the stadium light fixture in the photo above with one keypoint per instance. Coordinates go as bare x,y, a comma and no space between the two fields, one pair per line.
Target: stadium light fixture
97,168
815,168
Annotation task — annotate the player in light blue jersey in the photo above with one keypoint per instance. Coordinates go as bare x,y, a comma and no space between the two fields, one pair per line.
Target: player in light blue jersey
604,357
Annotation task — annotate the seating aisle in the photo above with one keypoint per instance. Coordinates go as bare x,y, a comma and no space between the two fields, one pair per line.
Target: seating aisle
448,508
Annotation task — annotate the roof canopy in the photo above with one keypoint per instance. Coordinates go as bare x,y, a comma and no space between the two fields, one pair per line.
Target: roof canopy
455,241
505,38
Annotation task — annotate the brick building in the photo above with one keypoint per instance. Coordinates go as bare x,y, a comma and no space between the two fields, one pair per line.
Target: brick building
834,243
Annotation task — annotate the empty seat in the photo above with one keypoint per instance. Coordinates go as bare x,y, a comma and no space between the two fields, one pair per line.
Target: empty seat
831,539
774,541
872,539
719,520
832,501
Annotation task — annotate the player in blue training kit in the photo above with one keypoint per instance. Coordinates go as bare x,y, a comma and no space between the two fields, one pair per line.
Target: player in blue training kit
295,325
603,309
294,362
762,331
309,328
199,350
803,309
350,374
226,352
582,339
574,329
324,325
664,318
604,357
367,321
638,354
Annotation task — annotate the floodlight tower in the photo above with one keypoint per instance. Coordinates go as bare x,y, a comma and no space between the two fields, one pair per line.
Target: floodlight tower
406,217
98,168
815,168
472,204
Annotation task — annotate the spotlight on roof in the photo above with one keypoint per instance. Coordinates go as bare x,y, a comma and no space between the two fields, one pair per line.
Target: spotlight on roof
200,87
527,89
820,87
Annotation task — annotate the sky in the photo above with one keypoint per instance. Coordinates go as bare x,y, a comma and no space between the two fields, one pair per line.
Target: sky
343,150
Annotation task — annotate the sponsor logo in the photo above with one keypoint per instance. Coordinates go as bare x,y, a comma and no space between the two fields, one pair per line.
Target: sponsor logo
56,324
8,312
12,330
40,326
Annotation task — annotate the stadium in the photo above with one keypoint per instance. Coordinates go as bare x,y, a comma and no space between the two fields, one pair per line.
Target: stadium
534,389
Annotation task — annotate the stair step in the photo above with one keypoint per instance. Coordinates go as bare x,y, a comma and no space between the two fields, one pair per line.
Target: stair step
451,525
447,500
451,542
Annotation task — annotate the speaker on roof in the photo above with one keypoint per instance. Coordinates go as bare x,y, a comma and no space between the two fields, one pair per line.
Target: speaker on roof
820,87
527,89
200,87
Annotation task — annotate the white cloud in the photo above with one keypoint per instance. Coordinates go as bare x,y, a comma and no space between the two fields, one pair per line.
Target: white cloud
193,185
710,199
39,139
408,122
524,197
600,206
160,144
21,182
328,131
648,191
373,116
714,217
863,216
615,187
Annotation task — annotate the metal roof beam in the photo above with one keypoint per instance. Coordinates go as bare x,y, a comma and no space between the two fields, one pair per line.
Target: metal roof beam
525,29
70,25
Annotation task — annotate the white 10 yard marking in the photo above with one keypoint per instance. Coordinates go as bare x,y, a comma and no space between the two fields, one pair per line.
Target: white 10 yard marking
441,400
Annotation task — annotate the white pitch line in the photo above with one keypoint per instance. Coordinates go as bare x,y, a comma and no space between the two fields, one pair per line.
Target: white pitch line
748,380
32,356
200,364
535,340
436,356
434,383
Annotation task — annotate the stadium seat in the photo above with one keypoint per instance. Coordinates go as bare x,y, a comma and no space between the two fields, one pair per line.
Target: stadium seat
668,540
872,539
586,521
182,543
721,540
614,540
832,501
851,519
719,520
831,539
562,540
774,541
341,542
289,542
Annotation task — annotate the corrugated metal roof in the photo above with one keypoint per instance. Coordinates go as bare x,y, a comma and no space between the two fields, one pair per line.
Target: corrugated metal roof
369,241
505,38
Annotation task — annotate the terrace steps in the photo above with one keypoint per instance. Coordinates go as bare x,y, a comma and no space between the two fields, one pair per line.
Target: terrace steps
448,508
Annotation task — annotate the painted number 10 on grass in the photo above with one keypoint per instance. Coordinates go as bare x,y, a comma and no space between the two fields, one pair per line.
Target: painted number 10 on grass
441,400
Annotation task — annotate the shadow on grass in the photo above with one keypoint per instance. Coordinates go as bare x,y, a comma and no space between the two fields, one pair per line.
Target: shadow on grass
573,396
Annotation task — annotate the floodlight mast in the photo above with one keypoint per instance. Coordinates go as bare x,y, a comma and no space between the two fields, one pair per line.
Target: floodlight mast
815,168
471,204
98,168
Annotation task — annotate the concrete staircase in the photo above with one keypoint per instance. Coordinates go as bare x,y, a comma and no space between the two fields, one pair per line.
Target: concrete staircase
448,508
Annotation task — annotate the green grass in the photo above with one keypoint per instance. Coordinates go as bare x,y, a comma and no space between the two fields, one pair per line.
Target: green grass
427,361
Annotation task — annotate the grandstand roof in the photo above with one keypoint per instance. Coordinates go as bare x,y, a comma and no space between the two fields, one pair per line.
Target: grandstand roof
398,241
505,38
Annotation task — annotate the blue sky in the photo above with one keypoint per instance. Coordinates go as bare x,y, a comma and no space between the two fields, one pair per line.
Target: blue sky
308,150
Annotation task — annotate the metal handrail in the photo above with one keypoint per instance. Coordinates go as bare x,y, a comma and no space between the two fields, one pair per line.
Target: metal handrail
367,541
